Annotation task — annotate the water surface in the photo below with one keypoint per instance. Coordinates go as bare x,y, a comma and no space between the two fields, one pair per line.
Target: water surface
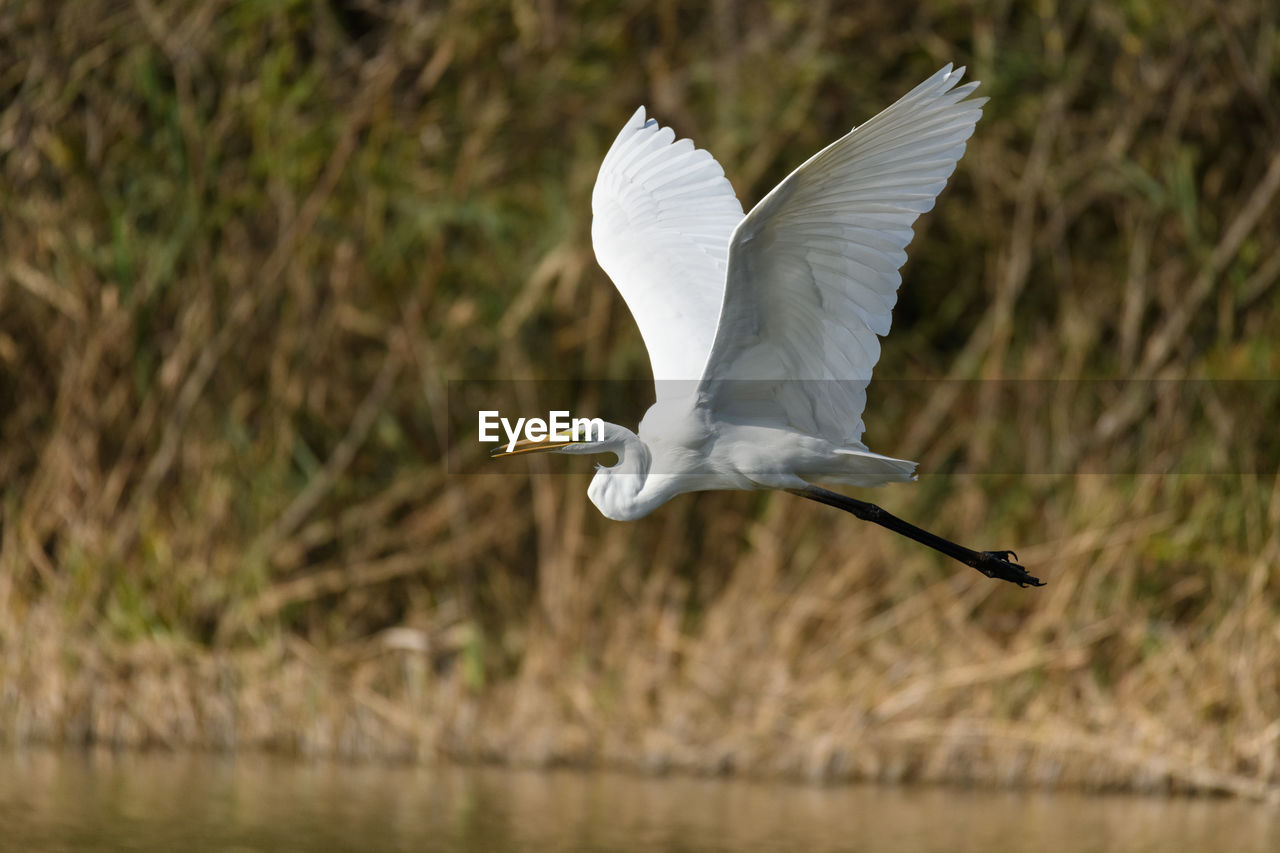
53,801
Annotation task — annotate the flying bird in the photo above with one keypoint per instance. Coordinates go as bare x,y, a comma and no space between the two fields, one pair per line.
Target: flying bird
763,328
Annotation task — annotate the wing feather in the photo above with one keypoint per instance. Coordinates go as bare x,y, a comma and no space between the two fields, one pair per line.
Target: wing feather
663,213
813,269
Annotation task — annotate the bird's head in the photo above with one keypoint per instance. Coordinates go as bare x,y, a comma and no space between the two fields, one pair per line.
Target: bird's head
615,489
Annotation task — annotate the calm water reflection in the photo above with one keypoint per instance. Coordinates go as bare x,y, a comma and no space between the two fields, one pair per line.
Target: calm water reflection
73,801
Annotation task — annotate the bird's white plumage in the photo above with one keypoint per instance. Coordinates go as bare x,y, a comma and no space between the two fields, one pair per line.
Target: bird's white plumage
777,313
813,268
771,319
663,215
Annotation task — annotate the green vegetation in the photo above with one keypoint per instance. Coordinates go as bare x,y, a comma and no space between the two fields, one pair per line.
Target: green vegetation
246,245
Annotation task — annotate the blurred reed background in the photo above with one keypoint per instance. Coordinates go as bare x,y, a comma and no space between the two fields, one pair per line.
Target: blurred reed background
246,245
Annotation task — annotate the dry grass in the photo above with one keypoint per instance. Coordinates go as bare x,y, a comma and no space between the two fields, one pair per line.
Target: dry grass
246,245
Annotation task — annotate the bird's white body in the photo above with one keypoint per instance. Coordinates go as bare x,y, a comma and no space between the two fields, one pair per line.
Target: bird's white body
682,447
763,328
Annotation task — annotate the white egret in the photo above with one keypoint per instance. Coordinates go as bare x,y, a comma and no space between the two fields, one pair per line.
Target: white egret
762,329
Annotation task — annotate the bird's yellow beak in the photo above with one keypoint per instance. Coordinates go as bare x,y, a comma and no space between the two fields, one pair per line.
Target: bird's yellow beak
545,445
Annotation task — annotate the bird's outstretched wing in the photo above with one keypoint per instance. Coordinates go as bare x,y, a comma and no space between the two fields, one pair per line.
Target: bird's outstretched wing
663,213
813,268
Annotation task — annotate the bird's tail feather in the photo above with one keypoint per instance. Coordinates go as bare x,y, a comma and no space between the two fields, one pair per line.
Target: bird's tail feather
864,468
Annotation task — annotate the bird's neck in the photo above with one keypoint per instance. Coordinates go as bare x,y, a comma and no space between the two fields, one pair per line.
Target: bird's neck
625,491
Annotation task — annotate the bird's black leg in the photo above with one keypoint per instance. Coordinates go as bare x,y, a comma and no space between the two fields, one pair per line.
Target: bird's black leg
993,564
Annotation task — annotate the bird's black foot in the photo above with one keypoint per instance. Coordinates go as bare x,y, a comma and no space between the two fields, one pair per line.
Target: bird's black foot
997,564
